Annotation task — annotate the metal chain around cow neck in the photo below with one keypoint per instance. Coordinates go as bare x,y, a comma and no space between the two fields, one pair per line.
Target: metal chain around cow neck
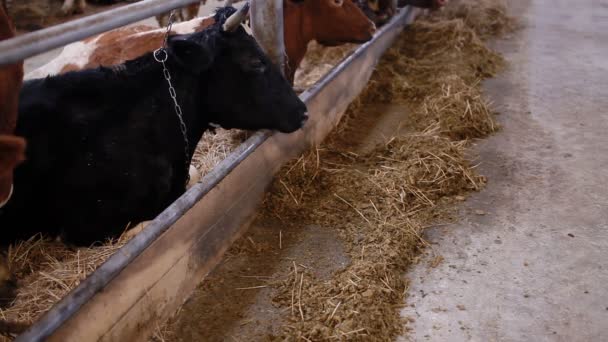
161,55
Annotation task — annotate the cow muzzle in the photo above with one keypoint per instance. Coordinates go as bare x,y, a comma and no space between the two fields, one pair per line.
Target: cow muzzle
8,198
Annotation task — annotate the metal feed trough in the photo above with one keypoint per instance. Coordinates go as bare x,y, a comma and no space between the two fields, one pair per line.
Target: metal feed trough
150,277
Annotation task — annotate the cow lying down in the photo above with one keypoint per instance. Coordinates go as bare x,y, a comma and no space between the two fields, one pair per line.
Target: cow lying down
105,146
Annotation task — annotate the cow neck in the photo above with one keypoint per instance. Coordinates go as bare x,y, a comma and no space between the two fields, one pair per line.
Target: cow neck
298,32
146,71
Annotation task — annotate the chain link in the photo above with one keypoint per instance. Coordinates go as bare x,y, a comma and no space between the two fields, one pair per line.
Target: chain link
161,56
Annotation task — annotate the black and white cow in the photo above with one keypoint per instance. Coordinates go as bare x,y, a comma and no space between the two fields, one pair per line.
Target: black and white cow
105,146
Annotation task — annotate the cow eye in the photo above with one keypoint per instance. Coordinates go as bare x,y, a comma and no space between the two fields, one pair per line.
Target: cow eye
338,3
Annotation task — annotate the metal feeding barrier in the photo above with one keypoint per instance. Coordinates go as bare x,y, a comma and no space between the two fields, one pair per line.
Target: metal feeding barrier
153,273
31,44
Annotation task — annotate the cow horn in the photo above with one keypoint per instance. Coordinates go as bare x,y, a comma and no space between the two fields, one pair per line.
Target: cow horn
237,18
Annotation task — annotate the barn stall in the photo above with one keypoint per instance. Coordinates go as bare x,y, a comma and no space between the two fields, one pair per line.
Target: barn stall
148,278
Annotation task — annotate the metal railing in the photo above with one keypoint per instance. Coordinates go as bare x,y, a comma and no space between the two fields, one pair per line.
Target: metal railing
31,44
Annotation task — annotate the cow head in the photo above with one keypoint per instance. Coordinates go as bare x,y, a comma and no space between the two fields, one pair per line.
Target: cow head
242,87
336,22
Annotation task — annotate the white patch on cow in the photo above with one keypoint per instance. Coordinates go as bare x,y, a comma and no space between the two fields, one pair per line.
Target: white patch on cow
77,53
190,25
180,28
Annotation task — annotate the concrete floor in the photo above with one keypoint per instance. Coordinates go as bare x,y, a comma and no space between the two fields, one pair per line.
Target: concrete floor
533,268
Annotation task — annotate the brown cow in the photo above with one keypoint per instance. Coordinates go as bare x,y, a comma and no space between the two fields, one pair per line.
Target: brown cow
12,148
329,22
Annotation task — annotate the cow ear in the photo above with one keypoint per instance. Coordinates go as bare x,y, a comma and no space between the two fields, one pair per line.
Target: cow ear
190,53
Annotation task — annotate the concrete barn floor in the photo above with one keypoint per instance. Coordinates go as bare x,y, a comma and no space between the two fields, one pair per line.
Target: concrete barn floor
533,268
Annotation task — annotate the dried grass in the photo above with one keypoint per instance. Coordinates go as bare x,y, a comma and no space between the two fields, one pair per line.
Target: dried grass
318,61
47,270
380,201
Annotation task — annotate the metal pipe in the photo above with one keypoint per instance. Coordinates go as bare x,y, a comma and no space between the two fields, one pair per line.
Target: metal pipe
267,27
95,282
31,44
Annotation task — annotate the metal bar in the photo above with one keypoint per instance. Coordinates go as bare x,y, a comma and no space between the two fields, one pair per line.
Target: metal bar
267,27
94,283
31,44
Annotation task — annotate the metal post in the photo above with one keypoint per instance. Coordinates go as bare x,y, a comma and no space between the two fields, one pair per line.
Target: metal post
267,27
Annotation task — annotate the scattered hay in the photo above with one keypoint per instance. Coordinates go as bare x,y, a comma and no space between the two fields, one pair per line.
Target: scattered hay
488,18
318,61
427,52
401,186
47,270
215,146
380,201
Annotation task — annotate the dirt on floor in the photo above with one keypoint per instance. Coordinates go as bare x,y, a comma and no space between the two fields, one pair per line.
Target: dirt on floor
326,256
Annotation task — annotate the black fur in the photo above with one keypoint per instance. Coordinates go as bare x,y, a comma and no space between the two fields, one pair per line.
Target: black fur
104,145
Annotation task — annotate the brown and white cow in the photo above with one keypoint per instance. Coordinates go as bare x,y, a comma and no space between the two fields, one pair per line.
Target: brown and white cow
12,148
330,22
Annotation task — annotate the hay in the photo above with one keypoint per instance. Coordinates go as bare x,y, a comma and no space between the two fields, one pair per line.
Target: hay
318,61
47,270
435,68
215,146
379,221
488,18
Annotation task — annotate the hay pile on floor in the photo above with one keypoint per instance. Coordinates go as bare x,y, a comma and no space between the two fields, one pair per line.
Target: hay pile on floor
398,187
47,270
380,201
